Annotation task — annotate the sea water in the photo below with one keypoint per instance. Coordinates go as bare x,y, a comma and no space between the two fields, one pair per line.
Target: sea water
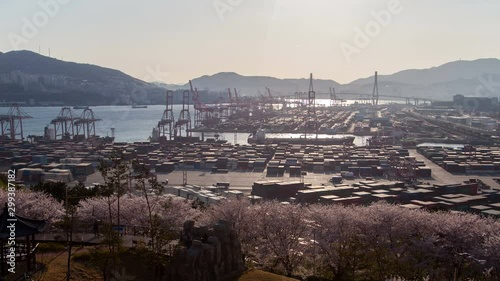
131,124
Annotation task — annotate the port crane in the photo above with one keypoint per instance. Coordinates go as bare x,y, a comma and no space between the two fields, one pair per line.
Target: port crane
12,123
64,124
205,115
183,124
165,125
233,102
85,125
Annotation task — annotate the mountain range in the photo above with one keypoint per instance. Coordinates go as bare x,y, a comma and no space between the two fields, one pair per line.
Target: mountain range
256,85
24,74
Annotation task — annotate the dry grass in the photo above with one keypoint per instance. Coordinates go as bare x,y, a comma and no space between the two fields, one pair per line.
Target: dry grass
258,275
56,265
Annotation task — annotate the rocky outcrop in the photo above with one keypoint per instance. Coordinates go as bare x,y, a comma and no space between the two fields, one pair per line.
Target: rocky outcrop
207,254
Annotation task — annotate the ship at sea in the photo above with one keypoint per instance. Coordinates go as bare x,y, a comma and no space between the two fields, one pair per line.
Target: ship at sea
139,106
261,137
80,107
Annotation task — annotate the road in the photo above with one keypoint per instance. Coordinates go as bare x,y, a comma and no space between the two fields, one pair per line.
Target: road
440,175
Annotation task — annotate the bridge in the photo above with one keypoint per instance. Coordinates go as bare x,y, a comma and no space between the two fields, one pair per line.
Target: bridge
409,100
372,98
366,98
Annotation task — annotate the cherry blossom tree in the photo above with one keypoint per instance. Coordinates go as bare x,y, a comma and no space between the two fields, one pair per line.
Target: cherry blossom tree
378,242
241,215
134,210
282,234
461,243
337,237
492,254
115,174
36,205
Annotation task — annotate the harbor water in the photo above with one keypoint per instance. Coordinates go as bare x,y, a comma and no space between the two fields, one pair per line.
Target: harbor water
131,124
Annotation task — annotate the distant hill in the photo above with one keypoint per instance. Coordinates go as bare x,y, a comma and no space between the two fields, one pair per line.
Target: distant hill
169,86
256,85
442,82
42,78
26,75
33,63
448,72
478,77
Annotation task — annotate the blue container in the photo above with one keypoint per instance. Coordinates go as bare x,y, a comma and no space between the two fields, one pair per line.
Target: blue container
40,159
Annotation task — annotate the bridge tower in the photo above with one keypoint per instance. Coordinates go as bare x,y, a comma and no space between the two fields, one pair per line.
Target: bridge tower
375,95
167,120
311,123
64,124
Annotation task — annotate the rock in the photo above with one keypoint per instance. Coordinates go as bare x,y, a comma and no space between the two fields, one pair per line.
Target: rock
219,259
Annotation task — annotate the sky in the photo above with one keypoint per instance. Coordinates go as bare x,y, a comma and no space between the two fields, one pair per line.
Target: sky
177,40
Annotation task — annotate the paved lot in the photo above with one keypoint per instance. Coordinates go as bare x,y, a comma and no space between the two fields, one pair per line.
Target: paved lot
244,180
238,180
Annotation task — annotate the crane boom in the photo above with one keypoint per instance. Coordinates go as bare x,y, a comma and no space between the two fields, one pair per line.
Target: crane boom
235,95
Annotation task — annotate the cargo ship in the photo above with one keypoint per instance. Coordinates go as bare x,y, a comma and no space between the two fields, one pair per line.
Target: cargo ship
80,107
139,106
260,137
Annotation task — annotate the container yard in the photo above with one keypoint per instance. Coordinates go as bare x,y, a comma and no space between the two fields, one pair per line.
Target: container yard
464,160
428,177
299,151
250,140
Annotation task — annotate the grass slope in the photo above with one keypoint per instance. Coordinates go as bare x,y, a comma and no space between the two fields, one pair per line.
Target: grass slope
56,265
258,275
55,258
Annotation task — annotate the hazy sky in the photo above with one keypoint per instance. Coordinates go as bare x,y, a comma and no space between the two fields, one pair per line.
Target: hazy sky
281,38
